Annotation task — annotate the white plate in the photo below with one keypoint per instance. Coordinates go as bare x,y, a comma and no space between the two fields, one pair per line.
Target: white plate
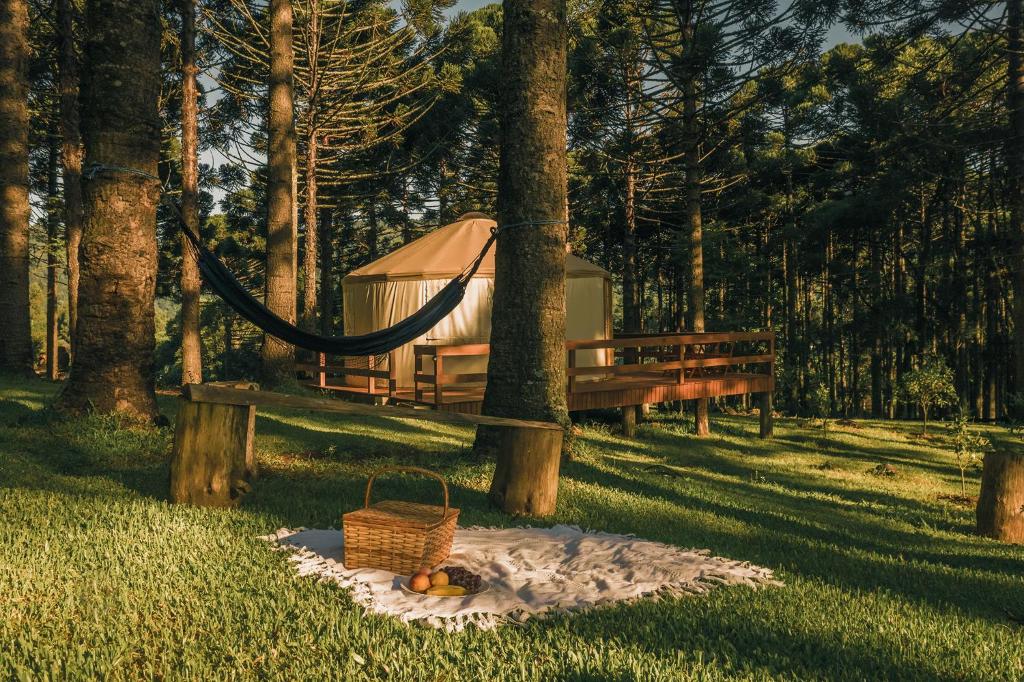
484,586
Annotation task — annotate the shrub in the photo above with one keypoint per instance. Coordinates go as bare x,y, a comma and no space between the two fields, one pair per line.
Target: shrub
929,386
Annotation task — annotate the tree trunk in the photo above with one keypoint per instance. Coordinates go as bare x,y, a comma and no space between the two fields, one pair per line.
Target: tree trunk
526,473
526,373
113,369
191,341
1015,167
16,339
71,156
52,262
278,358
326,229
372,231
1000,511
311,253
630,295
695,303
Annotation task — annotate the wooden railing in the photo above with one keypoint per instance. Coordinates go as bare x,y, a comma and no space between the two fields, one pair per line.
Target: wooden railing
375,373
439,379
638,358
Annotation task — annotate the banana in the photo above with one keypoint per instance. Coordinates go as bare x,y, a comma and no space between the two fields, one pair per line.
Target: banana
447,591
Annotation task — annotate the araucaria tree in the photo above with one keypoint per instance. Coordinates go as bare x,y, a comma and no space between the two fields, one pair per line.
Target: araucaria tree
279,357
703,56
191,344
16,340
526,373
113,368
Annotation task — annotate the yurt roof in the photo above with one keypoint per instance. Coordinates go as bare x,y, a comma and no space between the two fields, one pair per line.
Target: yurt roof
446,252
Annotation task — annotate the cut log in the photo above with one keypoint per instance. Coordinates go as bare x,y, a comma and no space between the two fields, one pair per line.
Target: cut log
526,474
764,403
629,421
1000,511
212,463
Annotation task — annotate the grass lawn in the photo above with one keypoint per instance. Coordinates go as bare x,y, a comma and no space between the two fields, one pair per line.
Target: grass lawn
101,577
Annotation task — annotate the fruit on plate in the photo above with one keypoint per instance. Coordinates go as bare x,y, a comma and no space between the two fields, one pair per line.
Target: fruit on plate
439,579
425,570
419,582
447,591
457,575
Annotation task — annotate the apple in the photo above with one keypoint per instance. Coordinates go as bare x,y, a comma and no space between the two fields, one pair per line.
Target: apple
419,583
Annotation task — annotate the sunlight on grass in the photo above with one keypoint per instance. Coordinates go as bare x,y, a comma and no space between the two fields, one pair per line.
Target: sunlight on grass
101,577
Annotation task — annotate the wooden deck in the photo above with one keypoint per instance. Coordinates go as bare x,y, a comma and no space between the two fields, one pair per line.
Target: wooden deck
629,371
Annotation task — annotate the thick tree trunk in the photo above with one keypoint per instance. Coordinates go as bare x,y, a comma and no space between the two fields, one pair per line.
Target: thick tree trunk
526,374
191,341
1015,176
526,474
71,155
113,369
52,262
16,339
1000,512
278,358
326,292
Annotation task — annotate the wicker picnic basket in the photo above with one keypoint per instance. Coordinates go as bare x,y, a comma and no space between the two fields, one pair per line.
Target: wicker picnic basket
397,536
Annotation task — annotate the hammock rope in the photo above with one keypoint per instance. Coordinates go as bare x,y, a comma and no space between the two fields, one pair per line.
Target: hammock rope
230,290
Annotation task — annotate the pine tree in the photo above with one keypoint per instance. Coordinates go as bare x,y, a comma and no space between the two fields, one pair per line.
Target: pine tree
113,368
191,342
526,372
16,341
279,357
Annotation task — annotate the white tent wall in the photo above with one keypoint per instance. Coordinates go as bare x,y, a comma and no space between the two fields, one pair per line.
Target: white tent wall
370,306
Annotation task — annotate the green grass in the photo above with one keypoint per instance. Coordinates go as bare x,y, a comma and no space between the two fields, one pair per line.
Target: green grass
101,577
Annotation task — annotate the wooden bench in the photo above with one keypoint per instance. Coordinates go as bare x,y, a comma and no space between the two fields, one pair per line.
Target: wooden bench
212,463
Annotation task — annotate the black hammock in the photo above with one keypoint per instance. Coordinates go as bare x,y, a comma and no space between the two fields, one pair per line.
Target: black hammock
220,279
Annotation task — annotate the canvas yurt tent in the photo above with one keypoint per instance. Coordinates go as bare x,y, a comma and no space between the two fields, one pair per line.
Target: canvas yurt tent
391,288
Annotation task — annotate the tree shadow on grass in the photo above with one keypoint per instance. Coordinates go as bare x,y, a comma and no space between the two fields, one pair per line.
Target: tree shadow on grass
769,527
742,642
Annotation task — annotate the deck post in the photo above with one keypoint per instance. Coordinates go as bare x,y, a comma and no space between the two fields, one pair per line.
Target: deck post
764,401
322,374
629,420
392,377
571,362
438,369
417,369
371,382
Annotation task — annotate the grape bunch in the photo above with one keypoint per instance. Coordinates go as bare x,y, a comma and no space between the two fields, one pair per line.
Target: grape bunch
457,575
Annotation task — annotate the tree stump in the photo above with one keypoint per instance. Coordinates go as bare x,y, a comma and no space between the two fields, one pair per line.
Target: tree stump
213,463
629,420
764,402
526,475
1000,511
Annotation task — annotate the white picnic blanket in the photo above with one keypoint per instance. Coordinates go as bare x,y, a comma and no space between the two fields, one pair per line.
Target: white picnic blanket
530,571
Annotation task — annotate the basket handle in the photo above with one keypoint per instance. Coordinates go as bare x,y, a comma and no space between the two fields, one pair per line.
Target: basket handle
412,470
